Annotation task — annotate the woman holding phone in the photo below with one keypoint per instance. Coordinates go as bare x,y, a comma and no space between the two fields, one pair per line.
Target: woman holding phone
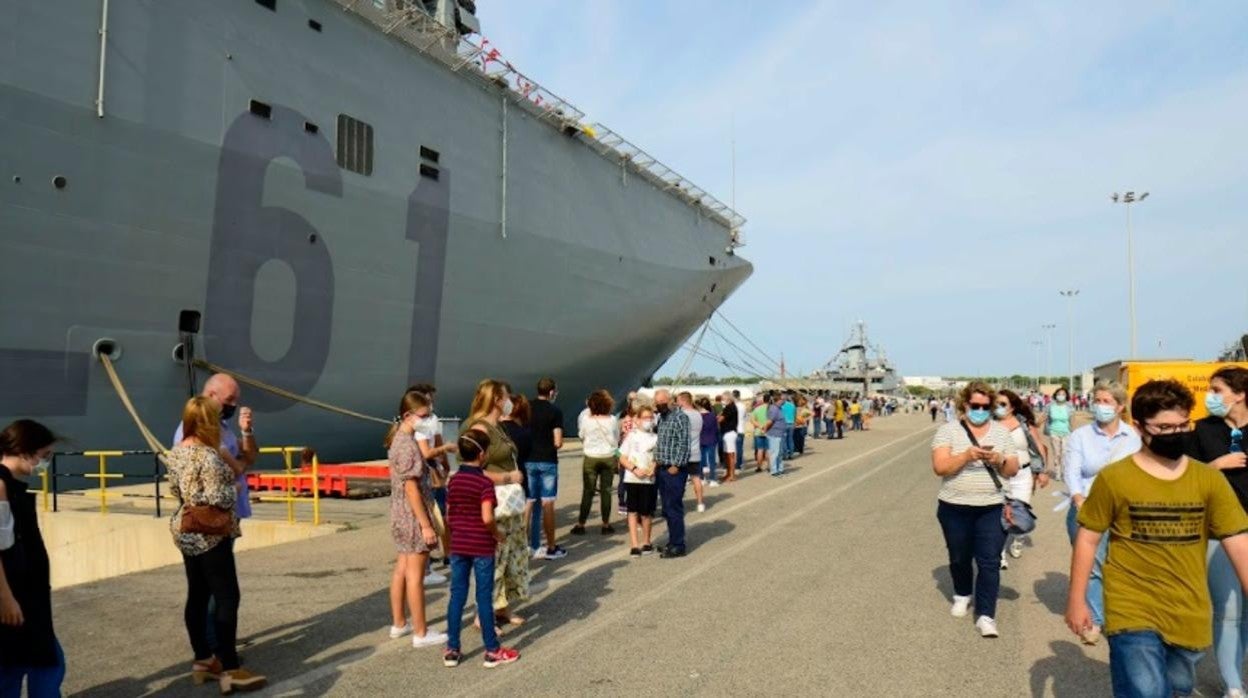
971,456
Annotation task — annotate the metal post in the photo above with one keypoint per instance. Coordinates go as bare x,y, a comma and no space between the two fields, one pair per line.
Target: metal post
103,486
290,501
43,477
54,485
316,490
99,94
1131,278
156,480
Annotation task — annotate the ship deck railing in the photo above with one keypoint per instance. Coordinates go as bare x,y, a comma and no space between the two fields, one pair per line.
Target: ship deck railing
411,23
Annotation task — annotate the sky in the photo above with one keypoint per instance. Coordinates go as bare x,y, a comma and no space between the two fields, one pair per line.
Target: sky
937,170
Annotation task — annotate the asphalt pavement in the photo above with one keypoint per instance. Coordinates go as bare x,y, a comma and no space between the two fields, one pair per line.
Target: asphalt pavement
829,581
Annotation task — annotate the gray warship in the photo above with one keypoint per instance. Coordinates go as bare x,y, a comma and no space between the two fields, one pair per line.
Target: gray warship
353,195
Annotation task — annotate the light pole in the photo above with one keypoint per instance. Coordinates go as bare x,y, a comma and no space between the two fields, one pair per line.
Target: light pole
1128,199
1038,345
1070,294
1048,337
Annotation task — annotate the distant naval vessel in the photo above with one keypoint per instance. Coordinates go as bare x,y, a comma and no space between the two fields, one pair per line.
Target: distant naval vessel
354,195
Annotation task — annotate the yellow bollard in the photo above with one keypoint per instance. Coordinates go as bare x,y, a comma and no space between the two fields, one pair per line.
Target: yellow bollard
316,491
103,475
43,478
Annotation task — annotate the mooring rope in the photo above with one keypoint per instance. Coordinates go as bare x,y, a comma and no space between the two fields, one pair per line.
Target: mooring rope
282,392
152,442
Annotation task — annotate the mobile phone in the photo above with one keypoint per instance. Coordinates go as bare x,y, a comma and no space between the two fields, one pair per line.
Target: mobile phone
987,448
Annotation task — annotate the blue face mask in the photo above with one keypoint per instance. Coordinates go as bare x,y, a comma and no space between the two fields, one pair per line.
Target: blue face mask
1216,405
1001,413
979,417
1104,414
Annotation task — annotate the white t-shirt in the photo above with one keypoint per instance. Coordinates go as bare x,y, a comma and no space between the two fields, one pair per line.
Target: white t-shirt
1020,485
599,434
639,447
972,485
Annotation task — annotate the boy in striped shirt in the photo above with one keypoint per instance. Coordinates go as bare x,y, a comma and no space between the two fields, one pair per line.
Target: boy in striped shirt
474,535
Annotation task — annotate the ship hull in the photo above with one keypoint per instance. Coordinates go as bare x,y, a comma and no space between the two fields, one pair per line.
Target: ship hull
337,285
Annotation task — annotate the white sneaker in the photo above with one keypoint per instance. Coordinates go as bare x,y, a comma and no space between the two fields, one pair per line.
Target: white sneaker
539,554
713,483
1235,693
396,632
1005,564
1016,548
987,627
429,639
961,604
701,507
433,579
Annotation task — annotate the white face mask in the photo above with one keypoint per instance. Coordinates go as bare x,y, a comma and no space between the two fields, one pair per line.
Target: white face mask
507,407
646,425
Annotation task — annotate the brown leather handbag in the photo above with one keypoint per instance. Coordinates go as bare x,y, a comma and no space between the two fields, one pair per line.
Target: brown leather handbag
207,519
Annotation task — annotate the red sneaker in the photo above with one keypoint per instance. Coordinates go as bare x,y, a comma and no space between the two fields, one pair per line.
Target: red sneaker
502,655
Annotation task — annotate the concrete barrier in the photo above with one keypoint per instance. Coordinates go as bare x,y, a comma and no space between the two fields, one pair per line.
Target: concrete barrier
88,546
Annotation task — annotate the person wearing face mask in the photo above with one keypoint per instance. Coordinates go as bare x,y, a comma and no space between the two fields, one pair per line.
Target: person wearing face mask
1017,417
238,453
411,522
637,459
969,506
1057,428
512,575
672,454
1088,450
29,650
1159,509
600,439
1219,441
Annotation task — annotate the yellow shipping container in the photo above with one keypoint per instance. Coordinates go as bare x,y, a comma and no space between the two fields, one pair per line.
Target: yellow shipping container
1194,374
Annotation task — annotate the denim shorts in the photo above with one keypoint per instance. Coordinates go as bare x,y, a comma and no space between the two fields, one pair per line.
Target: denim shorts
760,443
543,481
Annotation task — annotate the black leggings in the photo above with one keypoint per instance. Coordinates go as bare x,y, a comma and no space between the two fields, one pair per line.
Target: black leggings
212,575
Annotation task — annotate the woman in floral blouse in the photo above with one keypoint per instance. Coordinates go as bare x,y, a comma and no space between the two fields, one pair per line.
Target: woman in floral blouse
199,477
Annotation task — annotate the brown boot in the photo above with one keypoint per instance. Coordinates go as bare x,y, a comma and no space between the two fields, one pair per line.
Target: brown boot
240,680
203,671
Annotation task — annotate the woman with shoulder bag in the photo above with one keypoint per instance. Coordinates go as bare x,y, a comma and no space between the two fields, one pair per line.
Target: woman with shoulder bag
29,650
511,560
1013,413
202,527
970,456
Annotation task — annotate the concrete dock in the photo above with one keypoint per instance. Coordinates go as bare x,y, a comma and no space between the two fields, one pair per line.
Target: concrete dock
831,581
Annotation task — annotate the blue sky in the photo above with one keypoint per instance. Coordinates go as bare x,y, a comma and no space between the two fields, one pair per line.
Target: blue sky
946,167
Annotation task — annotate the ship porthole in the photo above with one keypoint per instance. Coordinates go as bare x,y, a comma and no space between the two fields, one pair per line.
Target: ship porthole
59,181
106,347
311,238
17,179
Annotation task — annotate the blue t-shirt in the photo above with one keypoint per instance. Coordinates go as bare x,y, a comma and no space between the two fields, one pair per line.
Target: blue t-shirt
776,416
790,412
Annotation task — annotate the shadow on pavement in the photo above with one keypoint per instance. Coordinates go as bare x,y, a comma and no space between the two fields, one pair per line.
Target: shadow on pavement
287,646
1052,591
1069,672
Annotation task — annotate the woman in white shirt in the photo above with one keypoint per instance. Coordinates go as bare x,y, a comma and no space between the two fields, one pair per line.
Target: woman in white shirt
637,459
600,432
1015,415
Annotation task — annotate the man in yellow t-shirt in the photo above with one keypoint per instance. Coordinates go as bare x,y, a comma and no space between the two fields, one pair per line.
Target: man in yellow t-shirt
1160,509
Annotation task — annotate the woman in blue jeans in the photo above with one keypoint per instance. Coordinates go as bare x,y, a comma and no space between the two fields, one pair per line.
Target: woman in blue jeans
1088,450
970,502
29,650
1219,441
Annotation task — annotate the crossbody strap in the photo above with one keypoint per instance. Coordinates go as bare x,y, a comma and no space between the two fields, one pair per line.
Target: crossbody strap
975,442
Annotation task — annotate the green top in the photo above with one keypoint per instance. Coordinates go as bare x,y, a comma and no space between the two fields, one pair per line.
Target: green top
1155,574
1058,423
500,457
760,415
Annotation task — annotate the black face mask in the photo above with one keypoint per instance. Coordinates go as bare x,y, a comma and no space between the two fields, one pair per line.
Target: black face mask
1169,446
663,409
228,411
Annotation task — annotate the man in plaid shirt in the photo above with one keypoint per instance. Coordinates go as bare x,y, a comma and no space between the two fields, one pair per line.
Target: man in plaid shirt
671,454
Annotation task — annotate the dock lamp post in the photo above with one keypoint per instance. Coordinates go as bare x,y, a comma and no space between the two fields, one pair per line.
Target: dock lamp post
1130,198
1069,294
1038,345
1048,337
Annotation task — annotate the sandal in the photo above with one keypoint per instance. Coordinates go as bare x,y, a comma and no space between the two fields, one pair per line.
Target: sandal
203,671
